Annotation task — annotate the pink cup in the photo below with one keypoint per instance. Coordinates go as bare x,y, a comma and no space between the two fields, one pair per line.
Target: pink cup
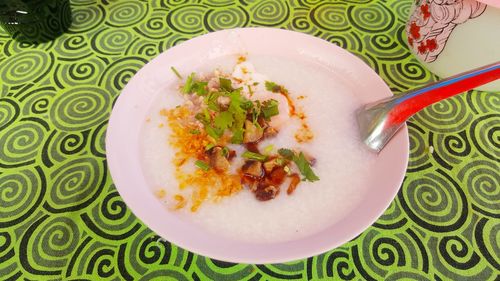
454,36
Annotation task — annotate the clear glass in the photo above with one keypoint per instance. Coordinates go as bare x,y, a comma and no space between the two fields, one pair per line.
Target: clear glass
35,21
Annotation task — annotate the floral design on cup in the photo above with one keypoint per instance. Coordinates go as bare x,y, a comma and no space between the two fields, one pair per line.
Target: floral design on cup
433,21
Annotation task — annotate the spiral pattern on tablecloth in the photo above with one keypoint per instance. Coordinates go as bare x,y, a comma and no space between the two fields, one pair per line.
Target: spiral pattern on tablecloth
173,3
447,116
483,102
21,143
98,140
457,258
369,19
87,18
154,27
346,40
80,108
481,178
74,182
443,223
330,16
379,252
9,111
401,10
110,218
392,218
127,13
485,135
50,243
73,48
300,22
419,149
337,263
406,75
434,201
384,47
79,72
147,249
37,101
144,48
486,235
230,17
187,19
96,259
450,149
26,67
270,13
20,194
119,73
218,3
111,41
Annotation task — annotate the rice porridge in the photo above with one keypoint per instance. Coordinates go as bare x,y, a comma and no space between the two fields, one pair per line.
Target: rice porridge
341,162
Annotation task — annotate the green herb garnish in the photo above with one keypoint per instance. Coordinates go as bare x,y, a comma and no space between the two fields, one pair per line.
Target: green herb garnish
225,84
237,137
224,120
195,132
176,72
286,153
273,87
254,156
305,168
268,149
301,162
270,108
202,165
188,86
215,133
200,88
209,146
250,91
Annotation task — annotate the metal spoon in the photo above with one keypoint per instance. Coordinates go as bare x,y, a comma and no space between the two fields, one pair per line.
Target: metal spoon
379,121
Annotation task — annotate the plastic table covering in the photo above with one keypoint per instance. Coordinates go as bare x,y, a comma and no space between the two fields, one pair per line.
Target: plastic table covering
61,217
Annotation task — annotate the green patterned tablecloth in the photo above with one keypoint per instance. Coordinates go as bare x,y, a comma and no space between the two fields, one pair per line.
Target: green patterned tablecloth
61,217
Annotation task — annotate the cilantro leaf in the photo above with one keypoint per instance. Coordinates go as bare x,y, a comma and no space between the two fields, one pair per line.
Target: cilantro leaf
273,87
301,162
188,86
211,101
270,108
200,88
224,120
237,137
305,167
215,133
195,132
286,153
225,84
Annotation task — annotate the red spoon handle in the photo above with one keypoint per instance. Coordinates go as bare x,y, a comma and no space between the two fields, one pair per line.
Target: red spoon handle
410,103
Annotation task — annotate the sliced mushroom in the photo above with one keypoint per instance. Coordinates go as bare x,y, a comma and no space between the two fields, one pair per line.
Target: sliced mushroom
252,132
270,164
253,169
277,176
217,160
265,193
293,183
270,132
